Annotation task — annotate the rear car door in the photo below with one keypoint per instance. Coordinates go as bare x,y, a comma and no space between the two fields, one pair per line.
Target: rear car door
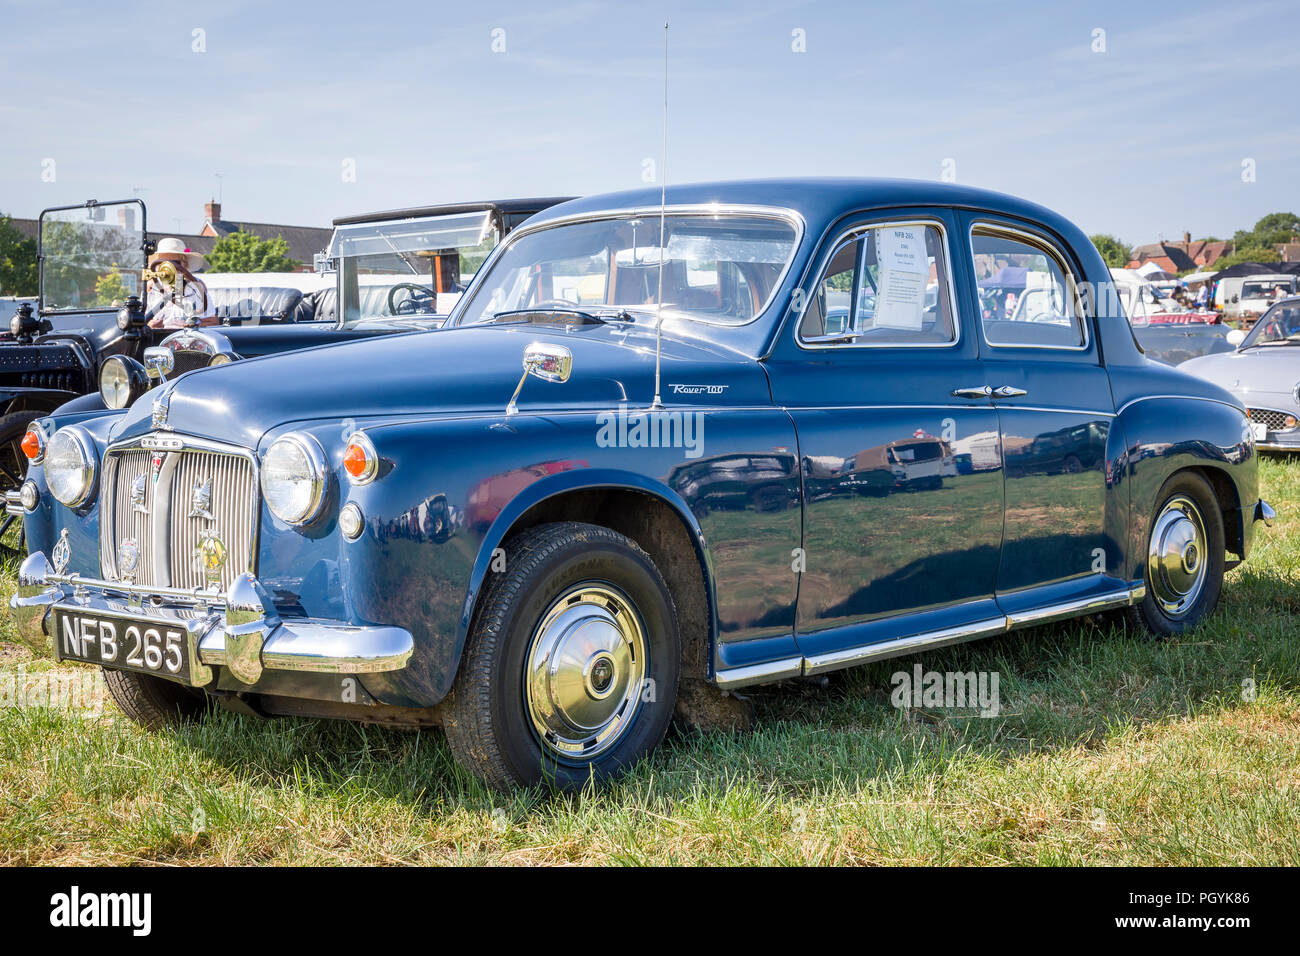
1055,410
898,440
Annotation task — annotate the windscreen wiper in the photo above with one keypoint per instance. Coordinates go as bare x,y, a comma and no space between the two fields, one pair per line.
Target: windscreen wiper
557,315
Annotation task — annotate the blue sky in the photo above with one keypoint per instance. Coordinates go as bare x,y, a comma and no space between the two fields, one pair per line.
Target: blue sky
1143,140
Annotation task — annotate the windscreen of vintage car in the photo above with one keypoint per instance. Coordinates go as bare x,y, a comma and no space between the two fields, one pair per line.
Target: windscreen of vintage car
408,267
1279,326
92,256
719,268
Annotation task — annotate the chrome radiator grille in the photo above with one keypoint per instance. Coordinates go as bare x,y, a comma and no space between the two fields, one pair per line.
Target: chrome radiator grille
1275,420
189,515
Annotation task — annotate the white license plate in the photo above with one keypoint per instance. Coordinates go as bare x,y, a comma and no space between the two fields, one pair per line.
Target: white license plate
1260,430
143,646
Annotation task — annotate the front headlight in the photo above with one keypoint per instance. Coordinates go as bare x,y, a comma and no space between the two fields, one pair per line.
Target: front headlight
70,464
293,478
121,381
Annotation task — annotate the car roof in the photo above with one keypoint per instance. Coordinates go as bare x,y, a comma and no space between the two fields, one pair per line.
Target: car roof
501,206
814,198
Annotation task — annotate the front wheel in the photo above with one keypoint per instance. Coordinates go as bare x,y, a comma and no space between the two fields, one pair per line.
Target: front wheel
153,702
1185,554
571,665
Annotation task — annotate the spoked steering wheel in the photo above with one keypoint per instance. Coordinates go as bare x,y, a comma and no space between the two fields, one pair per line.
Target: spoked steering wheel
419,302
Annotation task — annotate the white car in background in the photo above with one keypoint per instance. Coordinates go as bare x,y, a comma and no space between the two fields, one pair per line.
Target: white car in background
1263,370
1250,296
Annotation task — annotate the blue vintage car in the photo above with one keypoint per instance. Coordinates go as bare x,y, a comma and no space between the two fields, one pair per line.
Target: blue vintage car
769,430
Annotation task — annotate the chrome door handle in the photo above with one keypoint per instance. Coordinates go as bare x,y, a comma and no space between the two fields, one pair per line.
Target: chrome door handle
1008,391
979,391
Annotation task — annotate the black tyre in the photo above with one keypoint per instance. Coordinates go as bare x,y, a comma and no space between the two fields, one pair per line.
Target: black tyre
571,665
13,470
1185,554
153,702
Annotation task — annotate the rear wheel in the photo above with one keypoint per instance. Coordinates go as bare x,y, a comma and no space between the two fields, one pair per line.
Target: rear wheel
13,471
1185,556
153,702
571,665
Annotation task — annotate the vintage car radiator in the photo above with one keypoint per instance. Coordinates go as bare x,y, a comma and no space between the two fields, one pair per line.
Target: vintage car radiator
182,518
59,366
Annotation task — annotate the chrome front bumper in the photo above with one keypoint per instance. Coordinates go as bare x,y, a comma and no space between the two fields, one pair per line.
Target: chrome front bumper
239,630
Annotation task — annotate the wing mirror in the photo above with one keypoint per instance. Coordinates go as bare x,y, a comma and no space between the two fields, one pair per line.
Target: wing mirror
160,361
1235,337
550,363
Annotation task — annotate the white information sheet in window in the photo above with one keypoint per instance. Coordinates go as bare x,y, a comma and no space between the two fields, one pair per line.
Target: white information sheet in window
904,273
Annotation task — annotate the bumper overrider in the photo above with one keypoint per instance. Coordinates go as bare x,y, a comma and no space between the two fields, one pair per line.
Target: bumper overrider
239,630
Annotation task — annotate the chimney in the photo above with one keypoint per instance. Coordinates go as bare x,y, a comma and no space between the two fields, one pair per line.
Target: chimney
1187,238
126,218
211,211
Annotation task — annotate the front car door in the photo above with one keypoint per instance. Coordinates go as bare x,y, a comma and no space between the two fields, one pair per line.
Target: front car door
1055,410
898,441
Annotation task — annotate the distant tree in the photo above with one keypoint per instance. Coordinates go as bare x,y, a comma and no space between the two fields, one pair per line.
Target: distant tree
18,275
1274,229
110,289
1113,252
244,252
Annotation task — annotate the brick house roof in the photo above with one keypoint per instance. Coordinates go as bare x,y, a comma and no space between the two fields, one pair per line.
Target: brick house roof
1181,256
304,241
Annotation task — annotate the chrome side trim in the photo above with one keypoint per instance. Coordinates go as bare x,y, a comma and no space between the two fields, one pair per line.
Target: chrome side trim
897,647
1197,398
1267,446
926,640
784,669
1077,608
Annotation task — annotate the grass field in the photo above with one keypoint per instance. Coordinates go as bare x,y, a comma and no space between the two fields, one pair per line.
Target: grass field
1108,749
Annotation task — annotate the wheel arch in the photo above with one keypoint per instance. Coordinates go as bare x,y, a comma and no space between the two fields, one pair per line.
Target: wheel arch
648,512
1168,434
1230,506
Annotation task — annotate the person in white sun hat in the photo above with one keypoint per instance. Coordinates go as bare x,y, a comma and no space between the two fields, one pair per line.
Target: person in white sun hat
176,297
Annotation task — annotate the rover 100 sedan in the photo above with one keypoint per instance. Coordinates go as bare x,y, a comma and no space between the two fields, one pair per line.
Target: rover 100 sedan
513,527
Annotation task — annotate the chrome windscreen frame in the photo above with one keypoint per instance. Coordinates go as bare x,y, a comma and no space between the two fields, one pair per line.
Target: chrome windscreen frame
173,442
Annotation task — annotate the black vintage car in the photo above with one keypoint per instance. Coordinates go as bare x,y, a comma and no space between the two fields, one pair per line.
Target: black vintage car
90,347
91,260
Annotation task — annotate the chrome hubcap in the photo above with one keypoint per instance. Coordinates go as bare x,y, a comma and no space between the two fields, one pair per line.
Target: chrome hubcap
1177,557
584,671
